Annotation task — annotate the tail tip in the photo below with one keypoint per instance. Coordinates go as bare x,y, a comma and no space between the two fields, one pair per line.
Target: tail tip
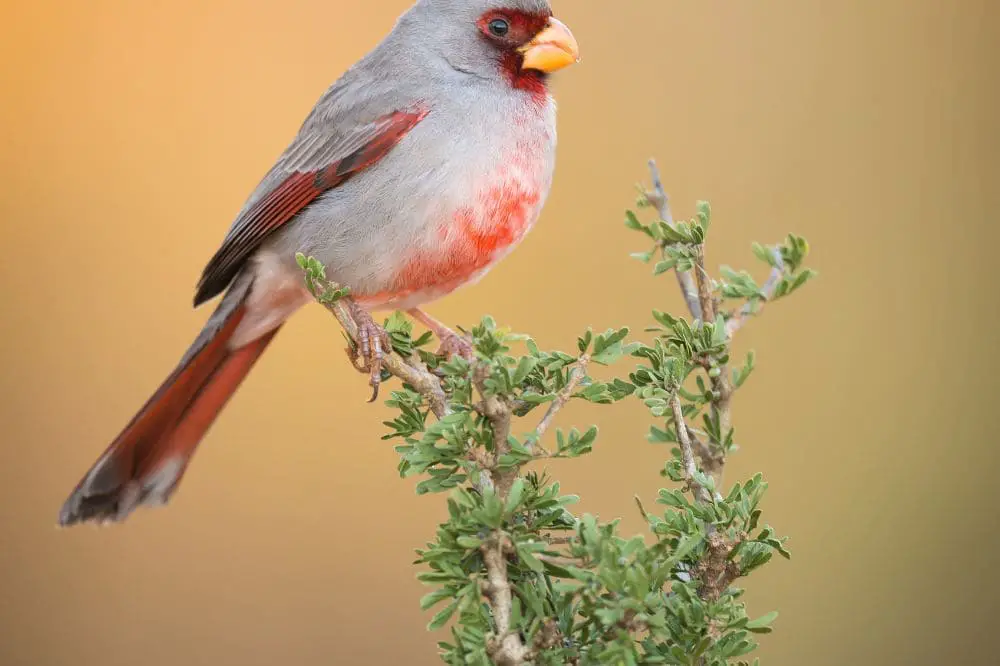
101,509
112,503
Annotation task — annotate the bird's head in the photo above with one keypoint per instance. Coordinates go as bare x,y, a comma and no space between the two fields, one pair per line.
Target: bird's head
518,42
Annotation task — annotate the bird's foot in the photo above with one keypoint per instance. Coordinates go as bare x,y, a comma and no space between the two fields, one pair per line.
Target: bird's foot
452,344
372,344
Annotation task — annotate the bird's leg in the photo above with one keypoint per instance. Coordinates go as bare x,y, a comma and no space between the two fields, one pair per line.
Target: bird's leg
373,342
452,344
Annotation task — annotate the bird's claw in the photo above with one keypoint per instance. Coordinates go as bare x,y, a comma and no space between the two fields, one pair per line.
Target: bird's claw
372,345
453,344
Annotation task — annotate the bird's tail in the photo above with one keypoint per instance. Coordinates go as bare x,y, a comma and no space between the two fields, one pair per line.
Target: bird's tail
143,465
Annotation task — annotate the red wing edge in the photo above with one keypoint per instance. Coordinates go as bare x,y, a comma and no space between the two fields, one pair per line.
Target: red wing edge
296,192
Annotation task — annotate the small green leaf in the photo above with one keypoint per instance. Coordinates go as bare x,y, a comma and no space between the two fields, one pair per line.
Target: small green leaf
434,597
704,213
524,368
469,542
765,254
515,496
631,221
443,616
530,560
663,266
801,279
762,625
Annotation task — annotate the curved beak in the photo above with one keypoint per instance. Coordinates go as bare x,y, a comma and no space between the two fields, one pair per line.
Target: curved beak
553,48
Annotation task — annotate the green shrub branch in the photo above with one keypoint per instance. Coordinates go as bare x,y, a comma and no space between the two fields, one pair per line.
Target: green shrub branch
516,576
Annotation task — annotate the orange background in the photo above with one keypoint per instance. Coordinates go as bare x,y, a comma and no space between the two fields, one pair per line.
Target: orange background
133,131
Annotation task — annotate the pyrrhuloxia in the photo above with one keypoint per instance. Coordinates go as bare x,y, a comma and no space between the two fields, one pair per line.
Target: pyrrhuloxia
420,168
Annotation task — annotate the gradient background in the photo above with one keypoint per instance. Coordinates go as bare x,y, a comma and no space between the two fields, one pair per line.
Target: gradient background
132,131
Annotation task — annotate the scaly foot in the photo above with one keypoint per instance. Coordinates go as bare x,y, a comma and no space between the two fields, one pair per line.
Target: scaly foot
452,344
373,343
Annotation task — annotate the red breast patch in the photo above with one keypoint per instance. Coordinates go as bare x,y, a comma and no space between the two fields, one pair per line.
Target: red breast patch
472,239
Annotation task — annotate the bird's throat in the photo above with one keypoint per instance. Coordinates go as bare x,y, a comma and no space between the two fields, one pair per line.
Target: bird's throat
530,81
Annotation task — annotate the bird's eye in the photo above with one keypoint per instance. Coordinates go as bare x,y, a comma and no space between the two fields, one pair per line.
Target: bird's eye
499,27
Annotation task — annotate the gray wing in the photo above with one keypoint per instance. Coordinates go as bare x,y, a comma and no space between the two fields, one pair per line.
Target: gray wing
336,141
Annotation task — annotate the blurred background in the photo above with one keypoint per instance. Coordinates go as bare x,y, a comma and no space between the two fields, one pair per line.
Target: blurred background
133,131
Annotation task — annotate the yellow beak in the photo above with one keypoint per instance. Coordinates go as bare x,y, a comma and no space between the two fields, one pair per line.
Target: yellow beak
553,48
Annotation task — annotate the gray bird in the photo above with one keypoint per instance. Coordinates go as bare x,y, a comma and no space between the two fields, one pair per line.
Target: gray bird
419,169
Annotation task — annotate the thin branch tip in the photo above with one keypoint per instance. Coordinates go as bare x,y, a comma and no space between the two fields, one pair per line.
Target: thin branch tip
737,321
576,376
660,200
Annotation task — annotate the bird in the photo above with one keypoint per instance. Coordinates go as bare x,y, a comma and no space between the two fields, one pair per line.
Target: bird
423,165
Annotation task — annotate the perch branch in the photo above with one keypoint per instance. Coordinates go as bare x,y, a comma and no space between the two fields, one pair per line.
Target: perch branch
424,382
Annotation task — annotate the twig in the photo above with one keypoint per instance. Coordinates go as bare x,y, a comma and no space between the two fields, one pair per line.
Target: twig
575,377
554,540
711,461
701,493
705,298
560,560
658,198
506,649
736,322
721,383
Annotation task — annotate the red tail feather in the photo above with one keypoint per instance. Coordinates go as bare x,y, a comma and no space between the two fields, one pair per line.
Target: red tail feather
146,461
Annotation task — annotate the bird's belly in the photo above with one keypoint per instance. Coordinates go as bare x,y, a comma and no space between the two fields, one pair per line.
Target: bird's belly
463,246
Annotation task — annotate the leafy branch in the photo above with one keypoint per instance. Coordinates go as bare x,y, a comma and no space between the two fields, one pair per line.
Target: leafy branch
681,247
470,443
517,577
